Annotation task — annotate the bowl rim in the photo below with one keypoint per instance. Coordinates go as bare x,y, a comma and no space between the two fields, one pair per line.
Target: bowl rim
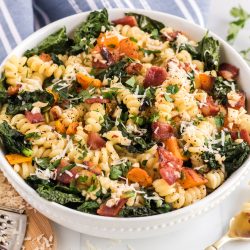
197,206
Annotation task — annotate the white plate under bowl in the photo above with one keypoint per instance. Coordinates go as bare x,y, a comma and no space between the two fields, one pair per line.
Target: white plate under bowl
124,228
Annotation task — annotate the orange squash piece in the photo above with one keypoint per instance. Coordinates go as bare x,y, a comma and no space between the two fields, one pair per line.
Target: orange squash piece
140,176
191,178
16,159
45,57
87,81
172,146
204,81
108,40
71,130
60,128
129,48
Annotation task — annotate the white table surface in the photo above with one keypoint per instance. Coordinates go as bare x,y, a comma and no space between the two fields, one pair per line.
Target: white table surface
205,229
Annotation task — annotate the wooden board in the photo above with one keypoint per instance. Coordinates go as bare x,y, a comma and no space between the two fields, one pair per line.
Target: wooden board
39,232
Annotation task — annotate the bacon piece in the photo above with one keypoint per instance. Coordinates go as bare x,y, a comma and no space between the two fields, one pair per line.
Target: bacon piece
66,177
242,134
98,64
155,76
228,71
161,131
241,102
134,68
245,135
127,20
97,100
170,166
13,90
113,211
210,108
34,118
95,141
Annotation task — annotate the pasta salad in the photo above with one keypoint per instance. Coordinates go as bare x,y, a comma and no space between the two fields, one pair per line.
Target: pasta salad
125,118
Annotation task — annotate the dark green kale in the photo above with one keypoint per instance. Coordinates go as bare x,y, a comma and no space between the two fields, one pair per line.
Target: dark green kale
136,212
235,154
3,92
117,69
50,194
34,182
219,120
55,59
85,34
209,52
46,163
149,99
14,141
221,88
69,94
57,43
141,140
119,170
89,207
108,124
149,25
24,101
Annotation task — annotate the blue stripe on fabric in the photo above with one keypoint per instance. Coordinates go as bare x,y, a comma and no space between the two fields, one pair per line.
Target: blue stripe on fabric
170,8
38,17
191,11
7,31
55,9
21,13
3,52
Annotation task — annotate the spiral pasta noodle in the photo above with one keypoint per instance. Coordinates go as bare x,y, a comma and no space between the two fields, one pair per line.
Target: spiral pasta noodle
47,69
24,169
94,117
215,178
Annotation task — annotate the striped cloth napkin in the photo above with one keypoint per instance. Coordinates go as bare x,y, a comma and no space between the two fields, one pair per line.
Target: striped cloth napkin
19,18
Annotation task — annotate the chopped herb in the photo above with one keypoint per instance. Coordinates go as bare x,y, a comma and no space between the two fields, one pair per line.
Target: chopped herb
241,18
168,98
119,170
219,120
154,117
131,82
172,89
33,135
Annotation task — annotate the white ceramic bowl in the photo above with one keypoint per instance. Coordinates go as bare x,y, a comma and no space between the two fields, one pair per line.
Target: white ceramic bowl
122,228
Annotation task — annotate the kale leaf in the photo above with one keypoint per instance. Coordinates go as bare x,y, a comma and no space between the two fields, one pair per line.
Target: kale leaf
119,170
57,43
55,59
50,194
14,141
235,154
136,212
206,51
3,92
24,101
89,207
147,24
85,35
221,88
117,69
